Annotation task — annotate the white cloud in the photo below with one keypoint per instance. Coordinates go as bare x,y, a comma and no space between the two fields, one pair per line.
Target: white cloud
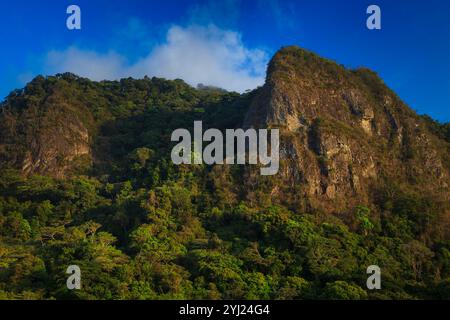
196,54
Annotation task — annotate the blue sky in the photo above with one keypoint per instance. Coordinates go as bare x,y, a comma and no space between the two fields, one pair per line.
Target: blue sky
228,43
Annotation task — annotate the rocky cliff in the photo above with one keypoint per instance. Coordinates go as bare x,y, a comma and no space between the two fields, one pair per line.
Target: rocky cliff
344,133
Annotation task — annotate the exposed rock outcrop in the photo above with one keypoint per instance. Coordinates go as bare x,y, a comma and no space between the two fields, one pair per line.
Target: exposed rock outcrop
343,132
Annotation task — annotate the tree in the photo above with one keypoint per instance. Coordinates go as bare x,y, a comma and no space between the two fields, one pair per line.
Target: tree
342,290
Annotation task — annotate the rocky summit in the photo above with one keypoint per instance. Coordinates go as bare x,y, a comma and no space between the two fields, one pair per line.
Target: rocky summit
345,132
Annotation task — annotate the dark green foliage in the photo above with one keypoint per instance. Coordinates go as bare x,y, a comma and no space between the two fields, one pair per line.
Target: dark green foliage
141,228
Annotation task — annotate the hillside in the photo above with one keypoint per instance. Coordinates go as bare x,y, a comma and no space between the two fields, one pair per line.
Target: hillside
346,133
86,179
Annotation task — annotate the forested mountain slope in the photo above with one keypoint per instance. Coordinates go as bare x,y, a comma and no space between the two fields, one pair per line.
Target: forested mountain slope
86,179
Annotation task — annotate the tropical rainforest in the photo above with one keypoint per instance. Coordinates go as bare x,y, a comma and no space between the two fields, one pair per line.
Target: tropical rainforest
86,179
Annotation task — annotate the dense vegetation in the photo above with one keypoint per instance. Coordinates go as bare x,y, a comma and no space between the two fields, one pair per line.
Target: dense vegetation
141,228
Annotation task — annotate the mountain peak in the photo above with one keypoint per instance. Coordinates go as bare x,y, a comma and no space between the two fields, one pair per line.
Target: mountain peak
343,130
294,58
301,86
